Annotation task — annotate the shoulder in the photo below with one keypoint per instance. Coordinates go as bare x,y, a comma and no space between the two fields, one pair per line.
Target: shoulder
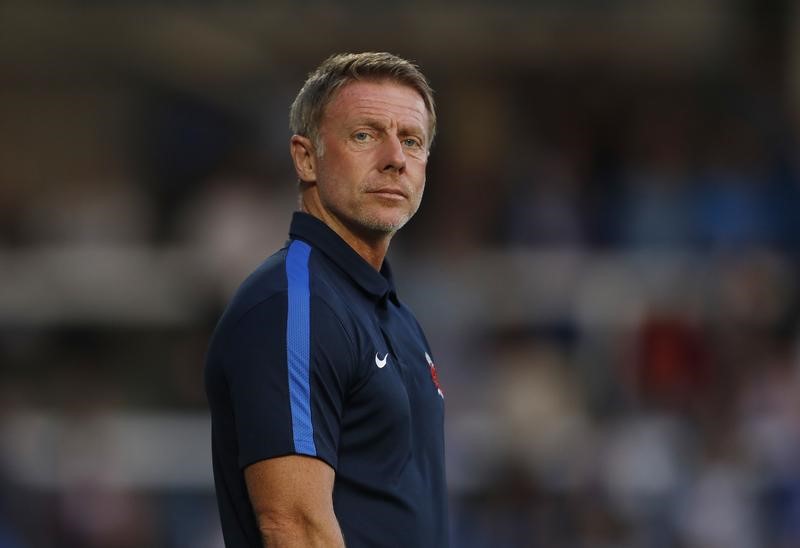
294,282
298,269
264,283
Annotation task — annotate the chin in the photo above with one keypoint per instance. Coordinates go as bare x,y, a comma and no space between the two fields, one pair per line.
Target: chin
385,224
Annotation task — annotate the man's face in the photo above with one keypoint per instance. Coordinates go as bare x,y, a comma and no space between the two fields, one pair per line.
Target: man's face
370,174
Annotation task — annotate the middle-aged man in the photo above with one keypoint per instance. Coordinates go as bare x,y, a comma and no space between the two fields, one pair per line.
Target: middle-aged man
327,414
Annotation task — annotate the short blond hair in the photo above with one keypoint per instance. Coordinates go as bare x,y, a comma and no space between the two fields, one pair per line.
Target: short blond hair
337,70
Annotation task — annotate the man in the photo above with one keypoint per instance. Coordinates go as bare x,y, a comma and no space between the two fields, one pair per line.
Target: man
327,414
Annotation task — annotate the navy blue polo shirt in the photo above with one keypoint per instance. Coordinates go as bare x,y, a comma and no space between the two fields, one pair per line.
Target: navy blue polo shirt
315,355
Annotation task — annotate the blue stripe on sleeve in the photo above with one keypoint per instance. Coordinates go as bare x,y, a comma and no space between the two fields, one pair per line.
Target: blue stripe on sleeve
298,334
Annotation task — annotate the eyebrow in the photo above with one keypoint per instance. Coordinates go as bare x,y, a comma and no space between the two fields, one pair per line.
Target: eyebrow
412,128
371,122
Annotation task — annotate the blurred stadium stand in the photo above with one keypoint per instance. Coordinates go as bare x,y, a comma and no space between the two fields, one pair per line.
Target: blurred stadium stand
606,259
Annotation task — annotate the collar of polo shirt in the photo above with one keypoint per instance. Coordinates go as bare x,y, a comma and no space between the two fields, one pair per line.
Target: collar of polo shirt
379,285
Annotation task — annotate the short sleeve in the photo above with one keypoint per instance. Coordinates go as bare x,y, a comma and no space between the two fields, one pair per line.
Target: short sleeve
288,384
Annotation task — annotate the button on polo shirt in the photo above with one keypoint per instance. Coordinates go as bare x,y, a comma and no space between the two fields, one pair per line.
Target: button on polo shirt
316,355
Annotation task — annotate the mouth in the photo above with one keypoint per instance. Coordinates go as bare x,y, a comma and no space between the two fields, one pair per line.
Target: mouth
389,192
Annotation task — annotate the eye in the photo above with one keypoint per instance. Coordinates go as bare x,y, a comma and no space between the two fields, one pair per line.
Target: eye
361,136
412,142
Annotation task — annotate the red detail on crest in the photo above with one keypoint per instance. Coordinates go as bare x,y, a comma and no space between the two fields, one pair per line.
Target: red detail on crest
435,377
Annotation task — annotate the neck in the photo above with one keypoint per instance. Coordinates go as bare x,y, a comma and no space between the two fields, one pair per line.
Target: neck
370,247
374,254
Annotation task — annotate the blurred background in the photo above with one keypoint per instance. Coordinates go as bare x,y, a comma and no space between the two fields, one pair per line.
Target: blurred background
605,261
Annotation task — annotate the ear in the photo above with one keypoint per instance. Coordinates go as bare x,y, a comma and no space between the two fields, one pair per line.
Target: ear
305,161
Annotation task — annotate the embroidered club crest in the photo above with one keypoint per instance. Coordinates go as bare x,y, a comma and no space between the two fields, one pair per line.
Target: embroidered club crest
434,376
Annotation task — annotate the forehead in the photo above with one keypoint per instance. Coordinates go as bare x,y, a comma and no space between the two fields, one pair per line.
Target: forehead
393,101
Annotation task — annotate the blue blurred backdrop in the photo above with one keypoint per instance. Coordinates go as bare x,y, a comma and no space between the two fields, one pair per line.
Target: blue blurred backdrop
605,261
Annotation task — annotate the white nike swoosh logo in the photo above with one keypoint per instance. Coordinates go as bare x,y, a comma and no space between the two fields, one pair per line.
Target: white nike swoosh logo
381,363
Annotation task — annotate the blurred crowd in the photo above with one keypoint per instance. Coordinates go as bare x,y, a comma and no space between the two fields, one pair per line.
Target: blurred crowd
655,402
606,262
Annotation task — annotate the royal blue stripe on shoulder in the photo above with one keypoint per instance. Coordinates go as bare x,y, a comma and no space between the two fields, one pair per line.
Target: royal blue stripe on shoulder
298,333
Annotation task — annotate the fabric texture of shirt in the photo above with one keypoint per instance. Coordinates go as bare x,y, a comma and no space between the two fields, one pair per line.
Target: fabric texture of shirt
315,355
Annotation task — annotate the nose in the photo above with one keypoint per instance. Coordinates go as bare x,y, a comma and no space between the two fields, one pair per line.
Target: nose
394,157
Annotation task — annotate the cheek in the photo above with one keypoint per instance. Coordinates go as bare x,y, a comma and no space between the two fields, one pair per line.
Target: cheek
332,174
417,174
347,170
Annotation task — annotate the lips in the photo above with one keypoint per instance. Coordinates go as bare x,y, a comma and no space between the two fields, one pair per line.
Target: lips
394,191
